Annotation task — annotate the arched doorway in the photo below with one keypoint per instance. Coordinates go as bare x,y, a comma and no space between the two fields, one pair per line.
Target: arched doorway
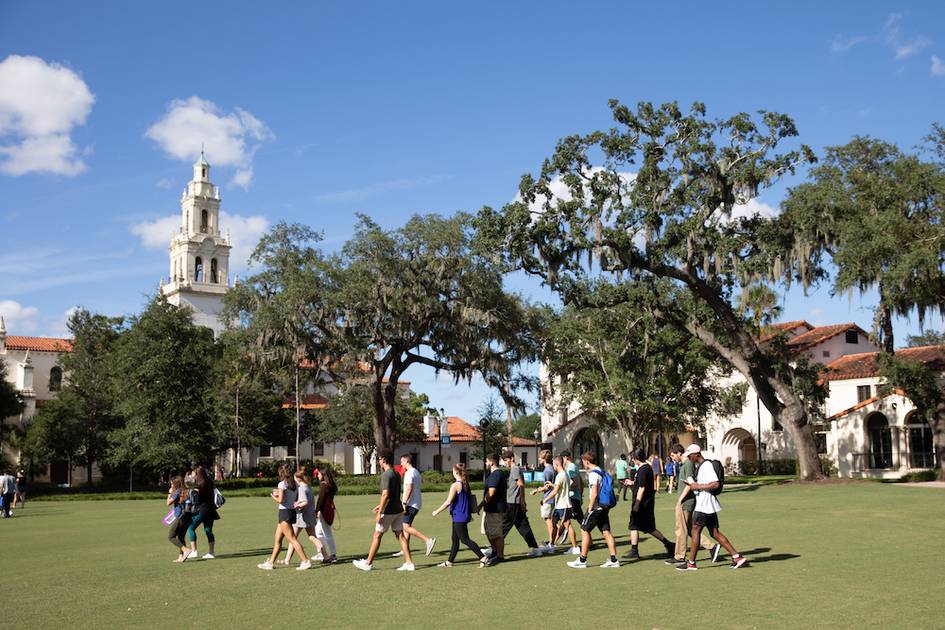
588,440
739,446
921,451
880,441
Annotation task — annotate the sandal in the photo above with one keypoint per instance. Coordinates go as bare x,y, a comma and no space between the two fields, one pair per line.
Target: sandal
447,564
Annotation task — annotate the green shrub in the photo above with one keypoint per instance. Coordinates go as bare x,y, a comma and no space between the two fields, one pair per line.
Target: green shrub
921,475
826,464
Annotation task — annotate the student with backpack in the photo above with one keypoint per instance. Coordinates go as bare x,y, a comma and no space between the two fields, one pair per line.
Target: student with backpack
642,512
515,510
602,497
461,503
708,484
685,504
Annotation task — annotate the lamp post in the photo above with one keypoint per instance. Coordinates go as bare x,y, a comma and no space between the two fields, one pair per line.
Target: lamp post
758,449
537,435
483,427
443,434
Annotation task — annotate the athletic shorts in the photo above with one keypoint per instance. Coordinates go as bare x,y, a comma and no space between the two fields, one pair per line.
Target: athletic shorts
576,512
493,524
599,518
390,521
286,516
546,510
644,520
562,515
410,513
707,521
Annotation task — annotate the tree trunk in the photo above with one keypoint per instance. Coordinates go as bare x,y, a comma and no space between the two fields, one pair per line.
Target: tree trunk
390,413
886,329
938,441
381,438
88,472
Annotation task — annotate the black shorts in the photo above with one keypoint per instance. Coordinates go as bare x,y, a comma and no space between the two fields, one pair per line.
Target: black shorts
286,516
576,512
410,513
643,520
599,518
708,521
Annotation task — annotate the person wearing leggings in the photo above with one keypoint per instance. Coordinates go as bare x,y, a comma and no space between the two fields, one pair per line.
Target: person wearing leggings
205,514
460,503
176,496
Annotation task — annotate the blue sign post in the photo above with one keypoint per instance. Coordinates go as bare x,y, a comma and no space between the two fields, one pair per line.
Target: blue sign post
445,439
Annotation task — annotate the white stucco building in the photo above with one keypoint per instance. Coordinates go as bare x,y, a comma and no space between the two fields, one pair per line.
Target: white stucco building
199,253
863,433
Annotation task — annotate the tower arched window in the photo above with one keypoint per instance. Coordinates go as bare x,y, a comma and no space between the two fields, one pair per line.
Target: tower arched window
55,379
204,221
213,271
204,170
198,269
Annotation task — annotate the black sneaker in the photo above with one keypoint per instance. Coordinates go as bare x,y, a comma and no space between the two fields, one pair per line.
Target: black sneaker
673,561
633,554
670,549
687,566
715,552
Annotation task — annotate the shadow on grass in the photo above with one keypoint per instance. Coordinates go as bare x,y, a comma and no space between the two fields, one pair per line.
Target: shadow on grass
775,557
743,488
19,513
245,553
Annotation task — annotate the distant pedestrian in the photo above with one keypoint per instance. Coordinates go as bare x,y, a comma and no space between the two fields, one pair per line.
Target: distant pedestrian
657,465
562,502
413,501
547,504
460,503
286,495
621,474
671,468
685,504
706,515
494,504
19,496
205,513
598,514
177,495
576,492
325,514
7,491
515,508
642,512
390,515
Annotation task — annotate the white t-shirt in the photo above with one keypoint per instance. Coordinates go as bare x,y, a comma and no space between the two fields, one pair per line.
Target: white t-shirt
562,502
289,497
412,479
706,502
593,479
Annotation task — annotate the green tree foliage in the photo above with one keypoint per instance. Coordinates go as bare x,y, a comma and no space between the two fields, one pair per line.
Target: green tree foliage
926,338
654,197
165,389
77,423
10,403
490,413
525,426
876,213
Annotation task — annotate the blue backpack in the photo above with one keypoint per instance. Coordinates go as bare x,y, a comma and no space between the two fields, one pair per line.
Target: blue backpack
606,497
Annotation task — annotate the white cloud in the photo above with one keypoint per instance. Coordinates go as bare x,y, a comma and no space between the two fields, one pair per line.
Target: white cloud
753,208
229,139
372,190
40,104
902,47
59,327
843,43
245,233
19,319
938,67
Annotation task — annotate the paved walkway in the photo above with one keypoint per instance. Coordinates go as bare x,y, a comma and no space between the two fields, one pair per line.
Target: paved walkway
924,484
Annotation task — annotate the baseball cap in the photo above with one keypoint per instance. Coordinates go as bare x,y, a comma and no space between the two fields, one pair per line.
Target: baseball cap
692,449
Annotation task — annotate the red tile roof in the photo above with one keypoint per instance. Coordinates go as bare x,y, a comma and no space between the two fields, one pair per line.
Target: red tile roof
461,431
309,401
819,335
865,403
39,344
863,364
768,332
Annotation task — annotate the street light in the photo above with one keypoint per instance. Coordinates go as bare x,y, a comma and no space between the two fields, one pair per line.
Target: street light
537,435
483,427
443,434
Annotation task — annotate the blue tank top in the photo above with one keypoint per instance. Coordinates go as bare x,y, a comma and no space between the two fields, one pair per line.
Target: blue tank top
460,508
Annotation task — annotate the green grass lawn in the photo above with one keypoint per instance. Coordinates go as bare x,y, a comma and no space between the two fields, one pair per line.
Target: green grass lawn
839,554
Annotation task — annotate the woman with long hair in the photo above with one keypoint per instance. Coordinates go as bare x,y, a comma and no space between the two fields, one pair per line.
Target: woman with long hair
305,514
325,514
286,495
460,502
176,498
205,512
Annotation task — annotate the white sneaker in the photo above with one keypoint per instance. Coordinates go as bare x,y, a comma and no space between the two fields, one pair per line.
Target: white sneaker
549,549
533,553
486,551
362,564
209,556
577,564
574,551
192,555
407,566
304,565
397,554
265,566
318,557
430,543
610,564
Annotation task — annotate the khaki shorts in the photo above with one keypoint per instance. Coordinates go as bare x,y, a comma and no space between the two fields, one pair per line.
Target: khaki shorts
493,522
390,521
546,510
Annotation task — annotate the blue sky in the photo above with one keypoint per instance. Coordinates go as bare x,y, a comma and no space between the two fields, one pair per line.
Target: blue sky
312,113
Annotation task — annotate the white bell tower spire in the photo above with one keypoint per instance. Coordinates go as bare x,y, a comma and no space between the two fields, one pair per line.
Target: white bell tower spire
199,254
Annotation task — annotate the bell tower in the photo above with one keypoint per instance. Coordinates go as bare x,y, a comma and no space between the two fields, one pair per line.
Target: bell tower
199,253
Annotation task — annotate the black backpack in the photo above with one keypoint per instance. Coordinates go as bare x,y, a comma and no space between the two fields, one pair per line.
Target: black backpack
719,472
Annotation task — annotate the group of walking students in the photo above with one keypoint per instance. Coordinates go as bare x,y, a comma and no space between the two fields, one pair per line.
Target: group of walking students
502,505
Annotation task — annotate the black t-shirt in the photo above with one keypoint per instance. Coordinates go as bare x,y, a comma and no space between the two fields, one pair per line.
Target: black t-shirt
496,479
644,479
390,481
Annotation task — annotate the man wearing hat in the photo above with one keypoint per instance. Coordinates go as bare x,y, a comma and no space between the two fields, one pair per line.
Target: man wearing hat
706,514
685,504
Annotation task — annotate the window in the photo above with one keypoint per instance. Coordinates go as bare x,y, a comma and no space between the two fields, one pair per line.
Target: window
863,392
213,271
55,379
588,440
203,221
463,458
880,441
265,451
290,450
853,337
204,172
821,439
318,448
921,451
198,269
524,459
